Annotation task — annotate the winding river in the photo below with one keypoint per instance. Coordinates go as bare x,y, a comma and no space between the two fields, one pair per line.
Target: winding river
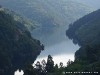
60,52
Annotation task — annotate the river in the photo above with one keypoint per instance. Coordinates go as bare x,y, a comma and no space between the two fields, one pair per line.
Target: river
60,52
58,45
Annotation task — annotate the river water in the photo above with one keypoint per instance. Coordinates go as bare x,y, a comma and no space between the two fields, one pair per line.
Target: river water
59,46
60,52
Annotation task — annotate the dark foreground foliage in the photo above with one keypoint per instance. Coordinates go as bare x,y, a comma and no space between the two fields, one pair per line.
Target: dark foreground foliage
17,48
86,32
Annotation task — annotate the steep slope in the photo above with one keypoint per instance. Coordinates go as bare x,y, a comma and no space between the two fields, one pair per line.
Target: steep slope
51,16
27,22
17,47
86,32
86,29
58,10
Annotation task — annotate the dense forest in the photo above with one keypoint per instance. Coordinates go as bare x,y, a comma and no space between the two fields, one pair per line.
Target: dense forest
17,47
47,67
86,32
51,17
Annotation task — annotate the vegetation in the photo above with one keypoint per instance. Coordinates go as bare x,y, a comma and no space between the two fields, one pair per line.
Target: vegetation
51,17
25,21
49,12
17,47
46,68
86,32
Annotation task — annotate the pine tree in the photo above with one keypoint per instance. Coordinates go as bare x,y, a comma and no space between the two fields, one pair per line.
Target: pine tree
50,64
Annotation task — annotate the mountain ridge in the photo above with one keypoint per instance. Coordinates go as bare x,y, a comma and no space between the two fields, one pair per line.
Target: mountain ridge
52,17
17,47
86,32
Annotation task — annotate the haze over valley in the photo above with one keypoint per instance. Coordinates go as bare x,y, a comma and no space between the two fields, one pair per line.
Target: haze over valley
47,21
51,19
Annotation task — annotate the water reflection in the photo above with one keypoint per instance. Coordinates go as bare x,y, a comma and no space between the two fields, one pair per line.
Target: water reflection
61,52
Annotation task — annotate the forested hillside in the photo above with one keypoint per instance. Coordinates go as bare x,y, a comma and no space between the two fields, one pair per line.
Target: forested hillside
17,48
25,21
51,17
86,32
57,12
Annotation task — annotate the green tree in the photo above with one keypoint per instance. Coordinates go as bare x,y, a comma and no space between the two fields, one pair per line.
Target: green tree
56,67
91,54
69,62
38,66
61,64
29,70
43,63
50,64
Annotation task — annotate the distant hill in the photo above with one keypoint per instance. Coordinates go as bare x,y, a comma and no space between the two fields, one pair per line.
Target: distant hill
86,32
86,29
27,22
51,17
17,48
92,3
